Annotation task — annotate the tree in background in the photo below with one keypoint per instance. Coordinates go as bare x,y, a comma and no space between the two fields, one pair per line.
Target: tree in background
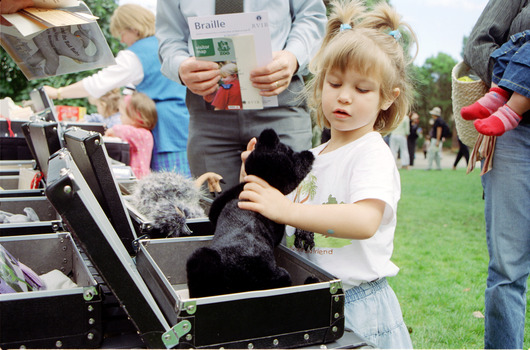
15,85
433,88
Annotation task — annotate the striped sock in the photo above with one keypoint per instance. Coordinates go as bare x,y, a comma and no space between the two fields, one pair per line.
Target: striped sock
486,105
498,123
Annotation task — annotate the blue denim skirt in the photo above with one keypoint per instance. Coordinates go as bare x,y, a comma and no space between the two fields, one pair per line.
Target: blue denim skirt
511,70
372,311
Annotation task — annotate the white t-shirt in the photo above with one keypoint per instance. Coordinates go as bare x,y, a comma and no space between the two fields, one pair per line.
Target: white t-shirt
363,169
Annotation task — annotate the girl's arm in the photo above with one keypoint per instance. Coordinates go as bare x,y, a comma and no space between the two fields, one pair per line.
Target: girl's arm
359,220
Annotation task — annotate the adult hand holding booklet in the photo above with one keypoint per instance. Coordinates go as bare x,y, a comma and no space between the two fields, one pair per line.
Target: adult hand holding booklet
239,43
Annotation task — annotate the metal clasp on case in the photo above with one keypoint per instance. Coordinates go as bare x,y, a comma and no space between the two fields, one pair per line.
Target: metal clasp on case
171,338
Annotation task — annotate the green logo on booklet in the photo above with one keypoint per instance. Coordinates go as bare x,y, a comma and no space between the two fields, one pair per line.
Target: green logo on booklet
203,47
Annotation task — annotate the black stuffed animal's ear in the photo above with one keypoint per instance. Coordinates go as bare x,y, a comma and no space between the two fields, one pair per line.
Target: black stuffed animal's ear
304,163
268,139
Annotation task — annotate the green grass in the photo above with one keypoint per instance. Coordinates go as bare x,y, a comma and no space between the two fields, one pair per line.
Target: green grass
440,247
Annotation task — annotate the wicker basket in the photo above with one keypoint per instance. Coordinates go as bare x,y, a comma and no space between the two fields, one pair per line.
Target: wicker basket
463,94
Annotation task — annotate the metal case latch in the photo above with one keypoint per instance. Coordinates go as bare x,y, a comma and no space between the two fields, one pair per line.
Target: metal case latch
171,337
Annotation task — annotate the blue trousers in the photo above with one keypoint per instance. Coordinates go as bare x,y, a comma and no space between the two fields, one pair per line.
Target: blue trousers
507,199
372,311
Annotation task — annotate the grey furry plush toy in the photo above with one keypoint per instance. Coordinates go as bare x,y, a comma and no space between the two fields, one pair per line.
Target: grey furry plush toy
241,255
167,199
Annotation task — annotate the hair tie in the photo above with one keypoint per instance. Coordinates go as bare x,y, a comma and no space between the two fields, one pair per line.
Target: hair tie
127,99
344,26
396,34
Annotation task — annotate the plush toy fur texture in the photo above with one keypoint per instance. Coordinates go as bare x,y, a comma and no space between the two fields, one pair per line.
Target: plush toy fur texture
167,199
241,255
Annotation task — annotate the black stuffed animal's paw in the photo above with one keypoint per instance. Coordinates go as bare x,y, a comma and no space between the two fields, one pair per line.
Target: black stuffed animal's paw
304,240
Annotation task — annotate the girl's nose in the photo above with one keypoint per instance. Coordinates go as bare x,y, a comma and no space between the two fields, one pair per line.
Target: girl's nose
344,97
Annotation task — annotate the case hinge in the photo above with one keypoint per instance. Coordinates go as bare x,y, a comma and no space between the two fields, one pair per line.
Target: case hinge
171,338
89,293
335,286
189,306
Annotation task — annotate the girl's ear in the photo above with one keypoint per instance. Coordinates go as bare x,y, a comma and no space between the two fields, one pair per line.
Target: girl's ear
388,103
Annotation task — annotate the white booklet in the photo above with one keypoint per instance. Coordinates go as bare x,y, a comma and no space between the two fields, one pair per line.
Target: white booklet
46,42
238,42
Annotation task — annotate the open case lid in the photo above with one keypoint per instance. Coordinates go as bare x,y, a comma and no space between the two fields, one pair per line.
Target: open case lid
88,151
43,140
71,196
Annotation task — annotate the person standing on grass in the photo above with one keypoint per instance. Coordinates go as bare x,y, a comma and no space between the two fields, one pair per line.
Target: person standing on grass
434,152
360,90
398,142
415,132
463,151
506,188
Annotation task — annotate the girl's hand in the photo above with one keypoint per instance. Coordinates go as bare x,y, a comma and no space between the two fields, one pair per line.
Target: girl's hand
276,76
51,92
244,155
260,197
110,133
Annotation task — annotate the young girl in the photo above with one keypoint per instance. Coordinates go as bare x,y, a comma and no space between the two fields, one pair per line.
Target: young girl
360,90
108,107
138,117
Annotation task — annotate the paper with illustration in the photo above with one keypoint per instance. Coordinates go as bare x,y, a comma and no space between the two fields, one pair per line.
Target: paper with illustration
46,42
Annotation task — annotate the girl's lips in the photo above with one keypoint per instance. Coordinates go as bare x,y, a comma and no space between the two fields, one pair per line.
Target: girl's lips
341,113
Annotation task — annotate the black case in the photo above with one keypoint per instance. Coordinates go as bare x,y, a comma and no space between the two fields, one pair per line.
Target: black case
68,318
297,316
88,151
73,199
13,145
49,219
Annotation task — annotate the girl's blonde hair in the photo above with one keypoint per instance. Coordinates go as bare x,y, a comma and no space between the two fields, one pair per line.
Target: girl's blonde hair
368,41
132,17
111,102
228,69
142,109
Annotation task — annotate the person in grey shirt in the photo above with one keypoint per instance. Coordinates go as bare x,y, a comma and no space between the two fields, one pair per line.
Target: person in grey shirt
506,188
217,138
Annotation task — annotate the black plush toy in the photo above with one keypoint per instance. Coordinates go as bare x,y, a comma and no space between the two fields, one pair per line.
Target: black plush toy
241,255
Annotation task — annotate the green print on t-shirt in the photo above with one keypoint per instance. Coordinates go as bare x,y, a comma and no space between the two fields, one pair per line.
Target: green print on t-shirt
307,190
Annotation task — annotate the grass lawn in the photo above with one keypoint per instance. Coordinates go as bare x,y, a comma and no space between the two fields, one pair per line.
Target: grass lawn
440,247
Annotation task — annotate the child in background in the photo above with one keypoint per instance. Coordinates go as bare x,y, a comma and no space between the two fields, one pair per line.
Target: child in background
501,109
138,118
360,90
108,109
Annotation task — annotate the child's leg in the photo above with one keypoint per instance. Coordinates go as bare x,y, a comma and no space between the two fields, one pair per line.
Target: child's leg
505,118
487,104
372,311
